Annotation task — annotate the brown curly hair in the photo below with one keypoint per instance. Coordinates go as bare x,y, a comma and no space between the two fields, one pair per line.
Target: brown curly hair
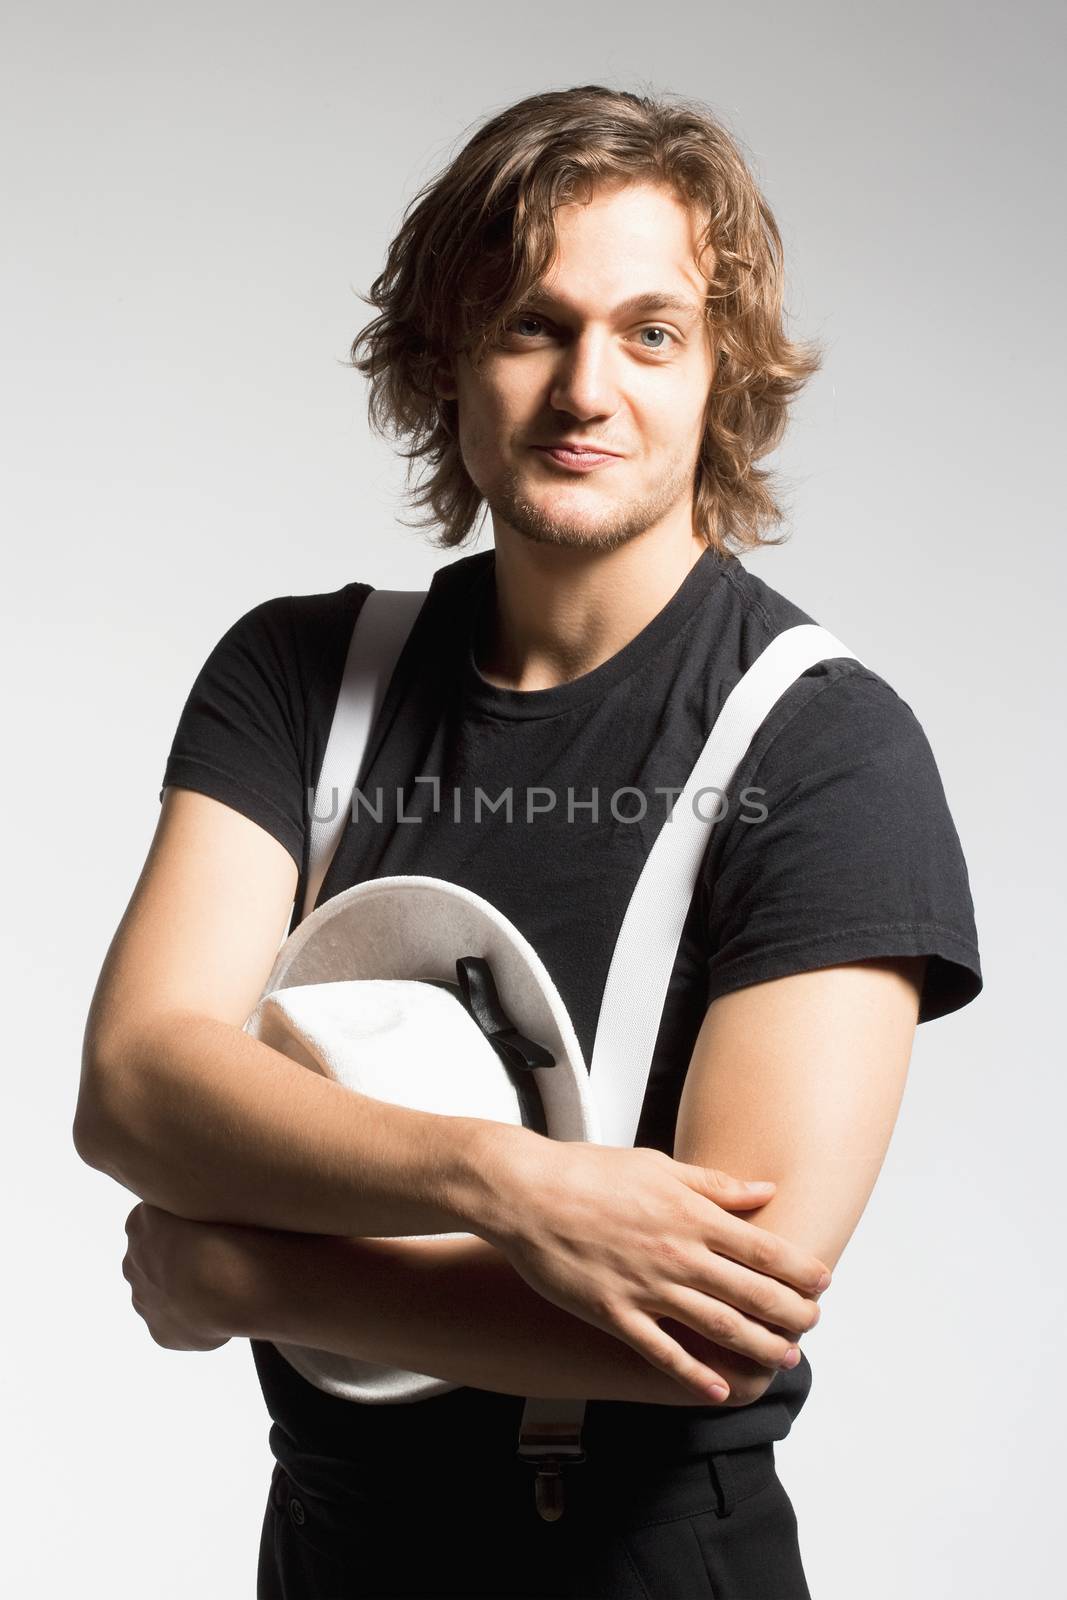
479,237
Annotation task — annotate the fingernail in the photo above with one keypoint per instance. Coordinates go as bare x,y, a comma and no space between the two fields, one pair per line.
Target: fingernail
791,1357
718,1391
823,1283
761,1183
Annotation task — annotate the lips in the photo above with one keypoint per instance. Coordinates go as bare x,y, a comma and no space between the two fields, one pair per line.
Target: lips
576,459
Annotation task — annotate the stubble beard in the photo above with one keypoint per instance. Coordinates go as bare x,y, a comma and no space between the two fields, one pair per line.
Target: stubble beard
543,525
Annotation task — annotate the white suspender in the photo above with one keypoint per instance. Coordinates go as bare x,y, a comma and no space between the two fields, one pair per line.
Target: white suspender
631,1008
645,951
385,619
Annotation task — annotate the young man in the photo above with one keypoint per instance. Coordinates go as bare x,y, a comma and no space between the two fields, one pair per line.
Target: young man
580,328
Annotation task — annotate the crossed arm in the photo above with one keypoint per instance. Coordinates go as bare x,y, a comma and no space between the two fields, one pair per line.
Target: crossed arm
797,1081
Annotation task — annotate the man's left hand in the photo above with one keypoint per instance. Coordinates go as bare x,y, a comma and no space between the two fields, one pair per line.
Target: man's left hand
177,1272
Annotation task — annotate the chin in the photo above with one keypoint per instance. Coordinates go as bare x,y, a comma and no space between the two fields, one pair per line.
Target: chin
575,533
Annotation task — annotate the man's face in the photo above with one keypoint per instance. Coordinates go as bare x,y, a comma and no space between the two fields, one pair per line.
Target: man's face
580,364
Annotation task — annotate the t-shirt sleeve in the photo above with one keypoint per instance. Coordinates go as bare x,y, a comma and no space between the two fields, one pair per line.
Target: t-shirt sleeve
850,852
240,736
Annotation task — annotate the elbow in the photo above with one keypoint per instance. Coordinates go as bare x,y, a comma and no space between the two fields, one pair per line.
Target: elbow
102,1126
129,1117
110,1144
84,1136
94,1131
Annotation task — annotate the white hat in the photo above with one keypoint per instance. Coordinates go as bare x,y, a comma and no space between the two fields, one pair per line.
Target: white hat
419,992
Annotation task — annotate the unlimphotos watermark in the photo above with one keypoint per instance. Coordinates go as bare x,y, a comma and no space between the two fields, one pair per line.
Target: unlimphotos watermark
626,804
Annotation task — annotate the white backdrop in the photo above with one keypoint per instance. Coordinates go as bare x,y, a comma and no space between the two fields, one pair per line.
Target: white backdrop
193,197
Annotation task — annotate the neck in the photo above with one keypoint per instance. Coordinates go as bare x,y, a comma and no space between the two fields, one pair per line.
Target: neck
562,611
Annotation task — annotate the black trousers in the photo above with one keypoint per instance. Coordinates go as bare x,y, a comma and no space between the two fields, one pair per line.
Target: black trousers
716,1525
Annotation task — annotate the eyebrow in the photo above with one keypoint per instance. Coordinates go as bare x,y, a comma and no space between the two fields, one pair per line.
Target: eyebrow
637,305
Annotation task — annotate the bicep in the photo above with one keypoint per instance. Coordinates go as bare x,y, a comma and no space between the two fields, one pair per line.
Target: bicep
201,930
799,1080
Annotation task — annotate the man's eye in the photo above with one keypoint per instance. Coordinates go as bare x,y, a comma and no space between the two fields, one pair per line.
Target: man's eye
527,326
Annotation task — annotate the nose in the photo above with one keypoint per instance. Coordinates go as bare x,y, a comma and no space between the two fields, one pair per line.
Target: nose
584,384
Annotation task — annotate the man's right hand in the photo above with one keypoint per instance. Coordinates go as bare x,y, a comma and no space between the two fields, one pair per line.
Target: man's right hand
625,1237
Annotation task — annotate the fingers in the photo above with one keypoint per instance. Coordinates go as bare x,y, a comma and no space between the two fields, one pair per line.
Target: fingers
767,1253
778,1257
726,1326
669,1357
754,1295
726,1190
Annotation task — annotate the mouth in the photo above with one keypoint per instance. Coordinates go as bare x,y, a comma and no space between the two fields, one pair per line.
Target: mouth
576,459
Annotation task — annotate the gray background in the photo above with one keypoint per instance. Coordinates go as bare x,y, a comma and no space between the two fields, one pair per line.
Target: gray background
193,197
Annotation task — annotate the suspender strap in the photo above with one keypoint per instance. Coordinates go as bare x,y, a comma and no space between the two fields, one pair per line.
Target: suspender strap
631,1008
385,619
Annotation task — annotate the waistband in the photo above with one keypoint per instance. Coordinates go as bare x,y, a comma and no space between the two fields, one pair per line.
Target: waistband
471,1425
716,1480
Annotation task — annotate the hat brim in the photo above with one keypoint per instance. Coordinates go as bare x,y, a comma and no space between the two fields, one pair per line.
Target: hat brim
409,926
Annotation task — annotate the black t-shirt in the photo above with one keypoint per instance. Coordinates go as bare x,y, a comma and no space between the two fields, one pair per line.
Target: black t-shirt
835,844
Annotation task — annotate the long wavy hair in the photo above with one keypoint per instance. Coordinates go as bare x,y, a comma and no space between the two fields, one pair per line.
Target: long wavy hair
479,236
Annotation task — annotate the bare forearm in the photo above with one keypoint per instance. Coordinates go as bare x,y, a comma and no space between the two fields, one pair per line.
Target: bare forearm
206,1122
453,1309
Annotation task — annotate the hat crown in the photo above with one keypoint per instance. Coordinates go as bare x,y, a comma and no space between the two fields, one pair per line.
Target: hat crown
395,1039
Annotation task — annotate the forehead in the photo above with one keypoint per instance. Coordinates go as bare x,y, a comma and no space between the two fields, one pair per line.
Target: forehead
632,246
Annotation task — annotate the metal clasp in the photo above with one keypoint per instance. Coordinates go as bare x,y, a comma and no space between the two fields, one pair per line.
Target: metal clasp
548,1485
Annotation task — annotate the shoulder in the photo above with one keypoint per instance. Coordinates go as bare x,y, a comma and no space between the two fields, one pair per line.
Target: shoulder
294,639
321,629
838,843
256,716
841,703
